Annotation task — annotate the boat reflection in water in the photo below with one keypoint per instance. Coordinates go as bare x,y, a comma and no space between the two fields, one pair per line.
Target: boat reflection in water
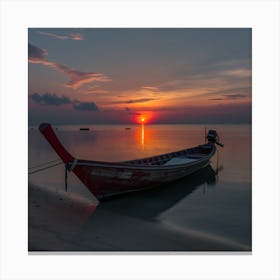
149,204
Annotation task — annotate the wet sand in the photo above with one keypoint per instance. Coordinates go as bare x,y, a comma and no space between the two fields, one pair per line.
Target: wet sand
66,222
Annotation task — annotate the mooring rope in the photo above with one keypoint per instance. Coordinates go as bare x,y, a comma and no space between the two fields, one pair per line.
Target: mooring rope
42,164
40,168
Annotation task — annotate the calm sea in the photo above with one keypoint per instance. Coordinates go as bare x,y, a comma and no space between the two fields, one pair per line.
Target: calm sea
213,203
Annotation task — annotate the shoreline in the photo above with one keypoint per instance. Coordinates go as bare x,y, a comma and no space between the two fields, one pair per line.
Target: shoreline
62,222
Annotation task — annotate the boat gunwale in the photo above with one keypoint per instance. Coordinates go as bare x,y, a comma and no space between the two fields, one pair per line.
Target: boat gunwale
143,166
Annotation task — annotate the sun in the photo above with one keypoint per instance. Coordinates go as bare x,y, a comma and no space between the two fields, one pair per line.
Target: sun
143,118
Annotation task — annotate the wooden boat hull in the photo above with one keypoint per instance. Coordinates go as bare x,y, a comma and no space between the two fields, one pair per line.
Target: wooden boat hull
105,179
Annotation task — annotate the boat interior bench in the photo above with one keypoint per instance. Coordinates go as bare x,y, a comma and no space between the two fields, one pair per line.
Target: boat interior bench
179,160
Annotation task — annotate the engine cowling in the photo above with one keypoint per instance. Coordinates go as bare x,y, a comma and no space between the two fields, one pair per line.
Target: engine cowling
213,137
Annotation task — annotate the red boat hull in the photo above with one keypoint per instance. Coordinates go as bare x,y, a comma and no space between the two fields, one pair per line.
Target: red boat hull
106,180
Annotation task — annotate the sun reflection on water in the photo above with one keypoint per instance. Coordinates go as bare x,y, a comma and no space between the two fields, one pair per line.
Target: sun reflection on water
143,136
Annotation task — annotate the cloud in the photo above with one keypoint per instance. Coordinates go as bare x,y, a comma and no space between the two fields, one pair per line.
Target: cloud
228,91
76,78
139,100
73,36
85,106
55,100
77,37
36,53
50,99
215,99
79,78
150,88
130,112
133,101
243,92
238,73
92,89
215,78
235,96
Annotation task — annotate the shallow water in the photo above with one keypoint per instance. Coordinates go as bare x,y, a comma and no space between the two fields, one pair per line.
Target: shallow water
214,203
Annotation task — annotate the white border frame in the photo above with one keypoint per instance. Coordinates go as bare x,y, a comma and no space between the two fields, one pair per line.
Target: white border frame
17,16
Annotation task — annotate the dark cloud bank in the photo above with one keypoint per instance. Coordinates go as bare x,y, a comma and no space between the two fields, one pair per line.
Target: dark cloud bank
54,100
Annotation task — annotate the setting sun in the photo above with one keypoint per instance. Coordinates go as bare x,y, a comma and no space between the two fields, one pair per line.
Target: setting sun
143,119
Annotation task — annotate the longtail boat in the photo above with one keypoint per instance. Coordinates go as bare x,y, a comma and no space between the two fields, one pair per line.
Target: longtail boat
105,179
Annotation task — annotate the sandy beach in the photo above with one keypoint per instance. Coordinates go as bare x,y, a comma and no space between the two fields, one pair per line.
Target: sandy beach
60,221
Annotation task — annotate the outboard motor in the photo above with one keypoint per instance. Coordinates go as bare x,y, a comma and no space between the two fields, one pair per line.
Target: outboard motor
213,137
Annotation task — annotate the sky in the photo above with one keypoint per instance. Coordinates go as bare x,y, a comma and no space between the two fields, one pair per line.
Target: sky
123,75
